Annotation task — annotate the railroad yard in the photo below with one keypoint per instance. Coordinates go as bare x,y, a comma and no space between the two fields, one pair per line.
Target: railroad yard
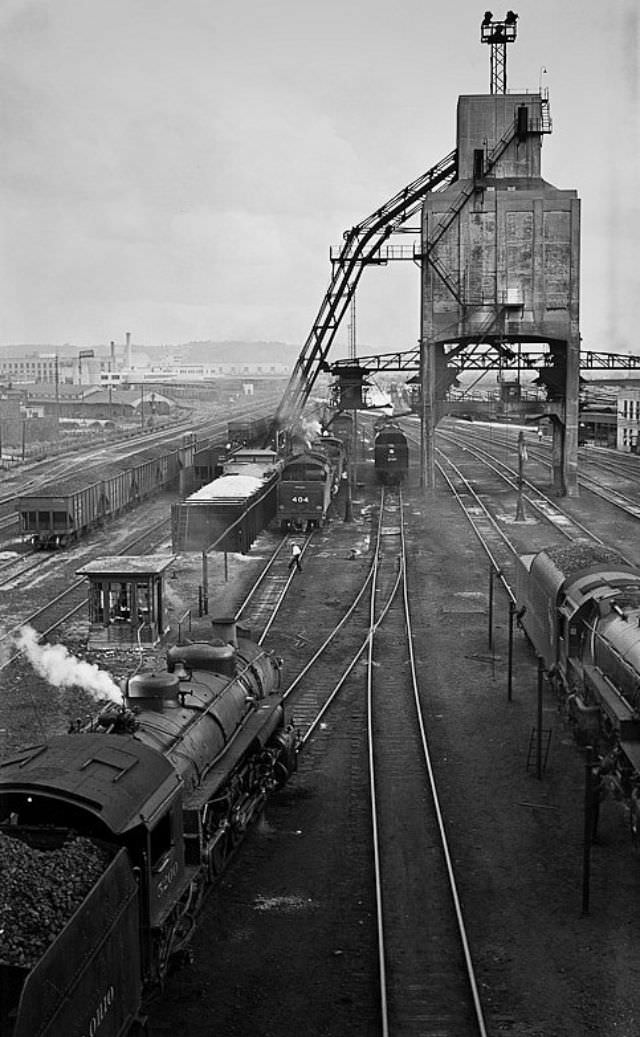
289,937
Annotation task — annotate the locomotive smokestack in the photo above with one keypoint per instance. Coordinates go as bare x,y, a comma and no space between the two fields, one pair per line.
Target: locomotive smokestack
225,629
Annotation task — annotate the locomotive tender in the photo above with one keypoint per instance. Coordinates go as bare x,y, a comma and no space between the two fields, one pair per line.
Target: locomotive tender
166,783
580,608
308,483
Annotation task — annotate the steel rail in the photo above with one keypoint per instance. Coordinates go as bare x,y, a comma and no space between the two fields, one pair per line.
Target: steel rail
438,810
473,1005
67,592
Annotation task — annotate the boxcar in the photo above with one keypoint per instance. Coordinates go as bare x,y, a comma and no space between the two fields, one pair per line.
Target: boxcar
391,454
305,490
208,462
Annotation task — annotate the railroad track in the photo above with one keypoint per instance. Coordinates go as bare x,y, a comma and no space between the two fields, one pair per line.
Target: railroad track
427,978
63,606
611,494
429,989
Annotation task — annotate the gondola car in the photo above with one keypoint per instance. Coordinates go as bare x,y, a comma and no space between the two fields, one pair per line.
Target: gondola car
305,491
229,513
580,608
391,454
110,835
60,512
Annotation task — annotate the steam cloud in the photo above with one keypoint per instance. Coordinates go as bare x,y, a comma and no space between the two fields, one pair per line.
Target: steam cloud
310,429
63,670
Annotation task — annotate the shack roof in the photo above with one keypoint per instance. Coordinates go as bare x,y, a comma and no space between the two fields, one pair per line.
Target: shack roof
127,565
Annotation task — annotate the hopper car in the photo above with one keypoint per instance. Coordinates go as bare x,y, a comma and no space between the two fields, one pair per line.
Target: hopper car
580,608
114,832
231,511
305,490
390,454
58,513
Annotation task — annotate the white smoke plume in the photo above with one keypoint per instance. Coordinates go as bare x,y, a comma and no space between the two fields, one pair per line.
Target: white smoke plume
310,429
62,669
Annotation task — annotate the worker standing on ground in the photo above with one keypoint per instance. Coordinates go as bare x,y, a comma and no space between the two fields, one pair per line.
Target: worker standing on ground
295,557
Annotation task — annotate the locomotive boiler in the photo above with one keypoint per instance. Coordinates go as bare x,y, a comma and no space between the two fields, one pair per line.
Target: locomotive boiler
155,794
580,607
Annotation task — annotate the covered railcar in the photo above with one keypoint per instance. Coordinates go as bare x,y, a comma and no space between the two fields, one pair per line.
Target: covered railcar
305,491
163,785
390,454
208,462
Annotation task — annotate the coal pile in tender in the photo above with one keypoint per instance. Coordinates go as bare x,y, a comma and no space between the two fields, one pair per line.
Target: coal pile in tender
39,892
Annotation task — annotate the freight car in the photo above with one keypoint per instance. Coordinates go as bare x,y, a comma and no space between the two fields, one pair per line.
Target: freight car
113,833
305,490
580,608
390,454
208,461
341,426
248,431
231,511
59,512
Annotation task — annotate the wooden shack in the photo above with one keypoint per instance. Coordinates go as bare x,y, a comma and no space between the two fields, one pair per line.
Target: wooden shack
127,601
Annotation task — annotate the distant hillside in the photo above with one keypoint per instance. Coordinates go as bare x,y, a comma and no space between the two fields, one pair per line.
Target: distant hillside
193,352
232,352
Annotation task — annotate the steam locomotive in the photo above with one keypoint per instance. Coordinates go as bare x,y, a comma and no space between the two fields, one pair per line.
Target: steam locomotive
309,481
580,608
390,454
163,786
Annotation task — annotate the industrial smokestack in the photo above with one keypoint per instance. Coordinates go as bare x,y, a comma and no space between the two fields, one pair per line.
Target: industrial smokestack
129,350
112,356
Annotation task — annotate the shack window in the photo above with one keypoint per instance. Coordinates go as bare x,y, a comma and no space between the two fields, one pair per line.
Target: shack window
143,602
119,603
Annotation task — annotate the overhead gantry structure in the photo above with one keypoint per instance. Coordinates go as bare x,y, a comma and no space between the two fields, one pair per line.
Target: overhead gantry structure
363,246
499,259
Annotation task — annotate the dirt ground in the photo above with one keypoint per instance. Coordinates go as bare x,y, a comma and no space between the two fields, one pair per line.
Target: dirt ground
285,941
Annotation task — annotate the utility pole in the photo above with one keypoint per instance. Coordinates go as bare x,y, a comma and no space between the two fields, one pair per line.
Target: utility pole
57,384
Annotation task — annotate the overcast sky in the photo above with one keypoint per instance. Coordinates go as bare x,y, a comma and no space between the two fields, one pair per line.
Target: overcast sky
180,168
